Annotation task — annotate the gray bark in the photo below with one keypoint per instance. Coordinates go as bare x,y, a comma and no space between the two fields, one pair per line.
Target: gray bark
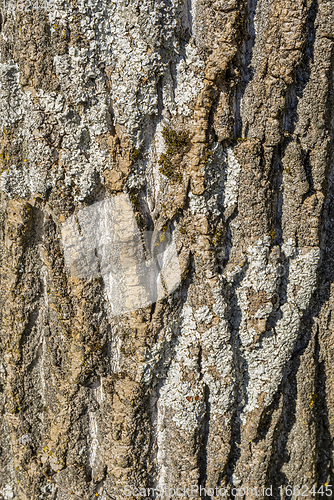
166,246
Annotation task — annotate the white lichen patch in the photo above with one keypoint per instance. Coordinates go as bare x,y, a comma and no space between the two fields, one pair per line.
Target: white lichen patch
182,403
197,204
231,179
93,442
174,390
157,147
15,181
11,94
25,439
8,492
82,161
203,314
140,43
267,351
221,173
189,80
142,51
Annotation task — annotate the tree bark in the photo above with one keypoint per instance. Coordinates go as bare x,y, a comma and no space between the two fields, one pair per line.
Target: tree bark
166,244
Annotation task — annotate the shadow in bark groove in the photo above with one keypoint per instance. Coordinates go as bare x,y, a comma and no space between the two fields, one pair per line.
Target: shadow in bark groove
161,369
275,475
203,441
303,73
290,119
324,445
275,316
240,368
279,456
324,442
245,56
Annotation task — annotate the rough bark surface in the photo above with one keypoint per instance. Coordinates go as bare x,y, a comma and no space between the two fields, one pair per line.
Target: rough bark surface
213,119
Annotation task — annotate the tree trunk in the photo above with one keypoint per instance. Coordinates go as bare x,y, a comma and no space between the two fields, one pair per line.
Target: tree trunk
167,274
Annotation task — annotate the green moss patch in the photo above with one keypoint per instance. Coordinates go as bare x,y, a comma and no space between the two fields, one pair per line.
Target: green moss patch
178,143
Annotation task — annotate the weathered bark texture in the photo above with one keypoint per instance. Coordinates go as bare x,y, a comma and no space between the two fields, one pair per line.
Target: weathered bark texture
210,122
